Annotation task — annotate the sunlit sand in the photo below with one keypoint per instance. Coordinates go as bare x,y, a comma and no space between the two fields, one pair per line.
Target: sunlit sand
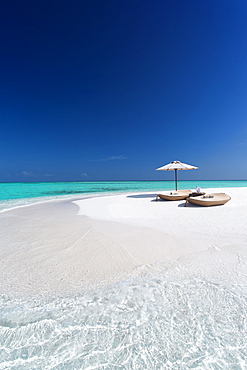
67,246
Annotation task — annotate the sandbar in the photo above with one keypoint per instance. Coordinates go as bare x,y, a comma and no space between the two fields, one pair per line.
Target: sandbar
68,246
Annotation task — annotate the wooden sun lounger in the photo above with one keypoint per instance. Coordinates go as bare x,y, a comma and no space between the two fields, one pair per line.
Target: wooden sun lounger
174,195
214,199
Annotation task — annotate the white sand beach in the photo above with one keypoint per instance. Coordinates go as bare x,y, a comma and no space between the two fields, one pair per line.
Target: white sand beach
66,246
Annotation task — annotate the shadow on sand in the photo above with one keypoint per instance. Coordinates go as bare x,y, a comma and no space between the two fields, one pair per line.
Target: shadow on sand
153,196
142,196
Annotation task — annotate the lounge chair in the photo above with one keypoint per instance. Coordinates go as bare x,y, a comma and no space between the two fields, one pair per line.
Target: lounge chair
174,195
214,199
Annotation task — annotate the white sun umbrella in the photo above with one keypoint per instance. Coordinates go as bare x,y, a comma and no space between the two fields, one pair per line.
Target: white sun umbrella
175,166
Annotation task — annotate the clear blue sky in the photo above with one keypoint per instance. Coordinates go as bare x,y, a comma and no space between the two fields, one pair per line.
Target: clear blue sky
111,90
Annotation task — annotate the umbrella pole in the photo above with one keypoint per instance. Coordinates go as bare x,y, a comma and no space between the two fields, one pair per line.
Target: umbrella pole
176,179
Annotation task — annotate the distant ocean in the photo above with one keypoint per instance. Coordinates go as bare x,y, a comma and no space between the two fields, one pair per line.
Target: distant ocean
23,193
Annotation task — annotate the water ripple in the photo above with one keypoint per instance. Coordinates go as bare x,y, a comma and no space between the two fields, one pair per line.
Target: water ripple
143,323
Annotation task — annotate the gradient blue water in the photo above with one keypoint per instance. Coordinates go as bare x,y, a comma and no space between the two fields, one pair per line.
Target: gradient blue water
14,194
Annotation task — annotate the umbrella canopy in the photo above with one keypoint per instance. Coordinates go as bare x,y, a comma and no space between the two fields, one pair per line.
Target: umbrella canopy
175,166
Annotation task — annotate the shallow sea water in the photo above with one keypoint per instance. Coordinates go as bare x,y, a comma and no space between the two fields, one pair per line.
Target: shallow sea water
150,322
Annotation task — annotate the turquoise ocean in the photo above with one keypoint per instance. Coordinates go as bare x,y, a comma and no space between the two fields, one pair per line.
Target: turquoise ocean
24,193
172,317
